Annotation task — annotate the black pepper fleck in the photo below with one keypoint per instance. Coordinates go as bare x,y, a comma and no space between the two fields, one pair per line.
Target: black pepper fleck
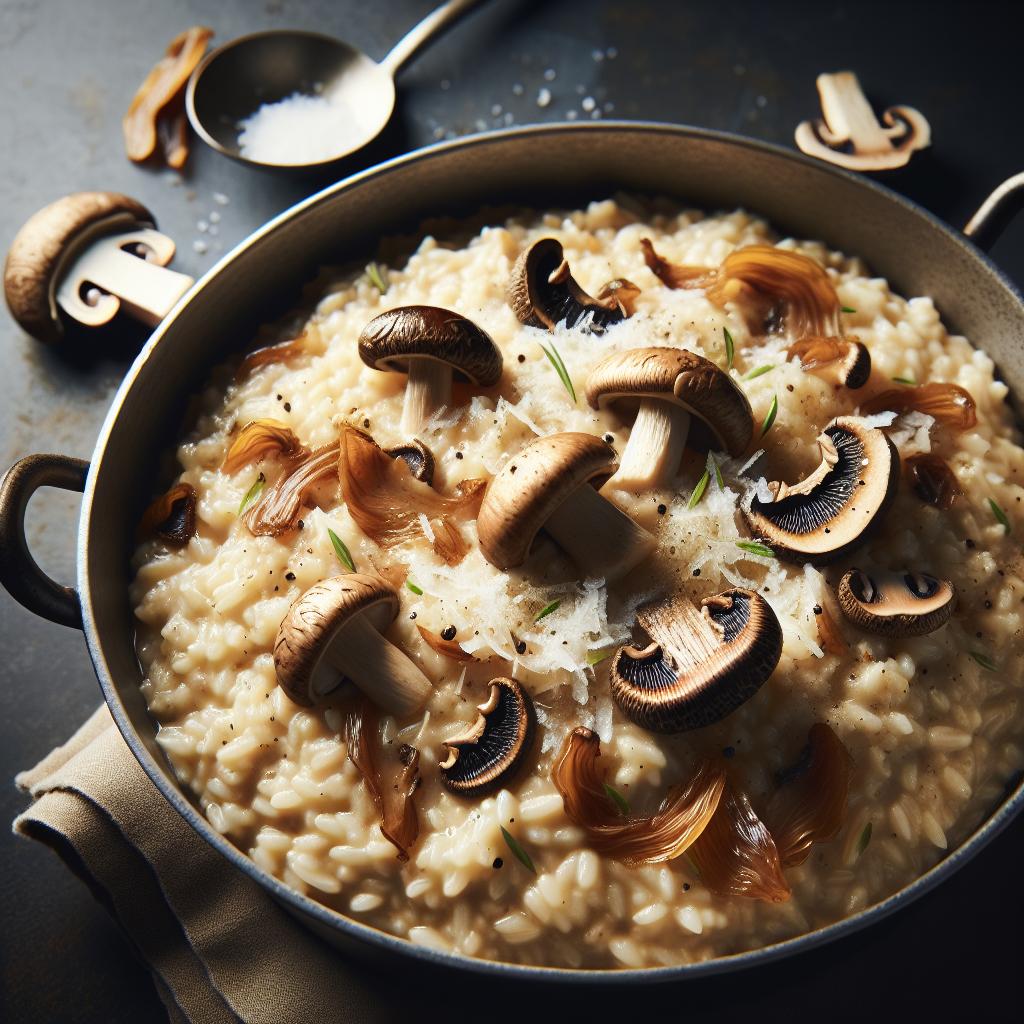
287,406
448,633
662,509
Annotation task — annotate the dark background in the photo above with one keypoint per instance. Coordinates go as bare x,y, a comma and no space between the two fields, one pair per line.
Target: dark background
68,69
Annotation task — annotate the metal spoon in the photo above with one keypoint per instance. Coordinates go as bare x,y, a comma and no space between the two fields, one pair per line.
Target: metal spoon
236,79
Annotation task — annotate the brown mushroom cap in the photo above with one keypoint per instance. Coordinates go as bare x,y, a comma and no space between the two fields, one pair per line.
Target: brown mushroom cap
896,604
531,485
488,753
542,292
391,339
832,511
682,378
46,244
313,623
700,665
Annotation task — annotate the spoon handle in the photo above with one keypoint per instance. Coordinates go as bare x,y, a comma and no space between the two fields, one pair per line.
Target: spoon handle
432,25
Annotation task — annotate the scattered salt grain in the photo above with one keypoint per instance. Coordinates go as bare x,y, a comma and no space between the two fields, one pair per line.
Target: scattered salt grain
439,132
588,103
571,115
202,226
496,110
517,89
611,53
199,246
549,75
220,199
598,55
544,97
214,217
762,101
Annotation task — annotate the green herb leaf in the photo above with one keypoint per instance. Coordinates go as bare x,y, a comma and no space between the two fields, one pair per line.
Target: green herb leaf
865,838
1000,516
904,380
773,411
252,495
760,371
756,549
698,491
715,471
596,657
617,798
730,348
343,553
563,374
847,309
520,854
412,586
373,272
547,610
984,661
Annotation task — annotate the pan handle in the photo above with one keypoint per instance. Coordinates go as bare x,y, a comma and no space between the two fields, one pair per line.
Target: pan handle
20,576
995,214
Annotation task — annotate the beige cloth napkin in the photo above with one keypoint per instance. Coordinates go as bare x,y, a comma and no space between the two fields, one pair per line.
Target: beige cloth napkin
219,948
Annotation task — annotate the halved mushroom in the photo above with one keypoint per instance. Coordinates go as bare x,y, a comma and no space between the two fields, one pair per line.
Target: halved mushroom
542,292
897,603
85,257
670,385
418,457
830,512
700,665
551,485
843,362
431,345
492,749
332,632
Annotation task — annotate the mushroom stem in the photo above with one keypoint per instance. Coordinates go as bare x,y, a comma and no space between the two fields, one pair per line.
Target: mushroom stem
602,540
429,387
379,668
655,446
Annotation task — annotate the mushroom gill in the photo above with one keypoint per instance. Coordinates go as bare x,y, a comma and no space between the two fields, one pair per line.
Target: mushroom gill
810,805
280,505
260,438
386,501
950,404
664,835
171,517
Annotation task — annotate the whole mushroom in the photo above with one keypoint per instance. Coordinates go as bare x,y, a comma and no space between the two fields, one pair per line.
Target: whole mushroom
432,345
668,386
551,485
896,604
332,632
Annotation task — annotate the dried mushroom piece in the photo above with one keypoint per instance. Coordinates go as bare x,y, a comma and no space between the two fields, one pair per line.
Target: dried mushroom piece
833,509
260,438
172,516
542,292
933,481
845,363
431,345
418,457
668,386
701,664
896,604
551,485
488,754
950,404
333,632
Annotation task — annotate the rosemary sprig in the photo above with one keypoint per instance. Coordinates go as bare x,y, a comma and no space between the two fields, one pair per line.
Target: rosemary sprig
1000,516
517,851
905,380
412,586
984,661
865,838
373,272
343,553
252,495
847,309
773,411
730,348
759,371
712,467
618,799
756,549
698,491
547,610
563,374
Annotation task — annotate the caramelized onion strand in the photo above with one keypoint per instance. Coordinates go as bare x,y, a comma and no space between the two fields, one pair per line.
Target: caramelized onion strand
260,438
281,504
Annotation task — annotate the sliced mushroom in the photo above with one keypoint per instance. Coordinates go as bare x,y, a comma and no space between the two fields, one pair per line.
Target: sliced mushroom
845,363
896,604
670,385
542,292
418,457
492,749
701,664
830,512
332,632
431,345
551,485
81,256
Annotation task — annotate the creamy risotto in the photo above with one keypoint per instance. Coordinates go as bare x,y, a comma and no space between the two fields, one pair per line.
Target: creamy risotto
703,721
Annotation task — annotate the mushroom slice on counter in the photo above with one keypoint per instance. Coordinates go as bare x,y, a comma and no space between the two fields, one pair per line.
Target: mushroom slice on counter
332,632
896,604
542,292
551,485
701,664
845,363
431,345
488,753
830,512
670,385
418,457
